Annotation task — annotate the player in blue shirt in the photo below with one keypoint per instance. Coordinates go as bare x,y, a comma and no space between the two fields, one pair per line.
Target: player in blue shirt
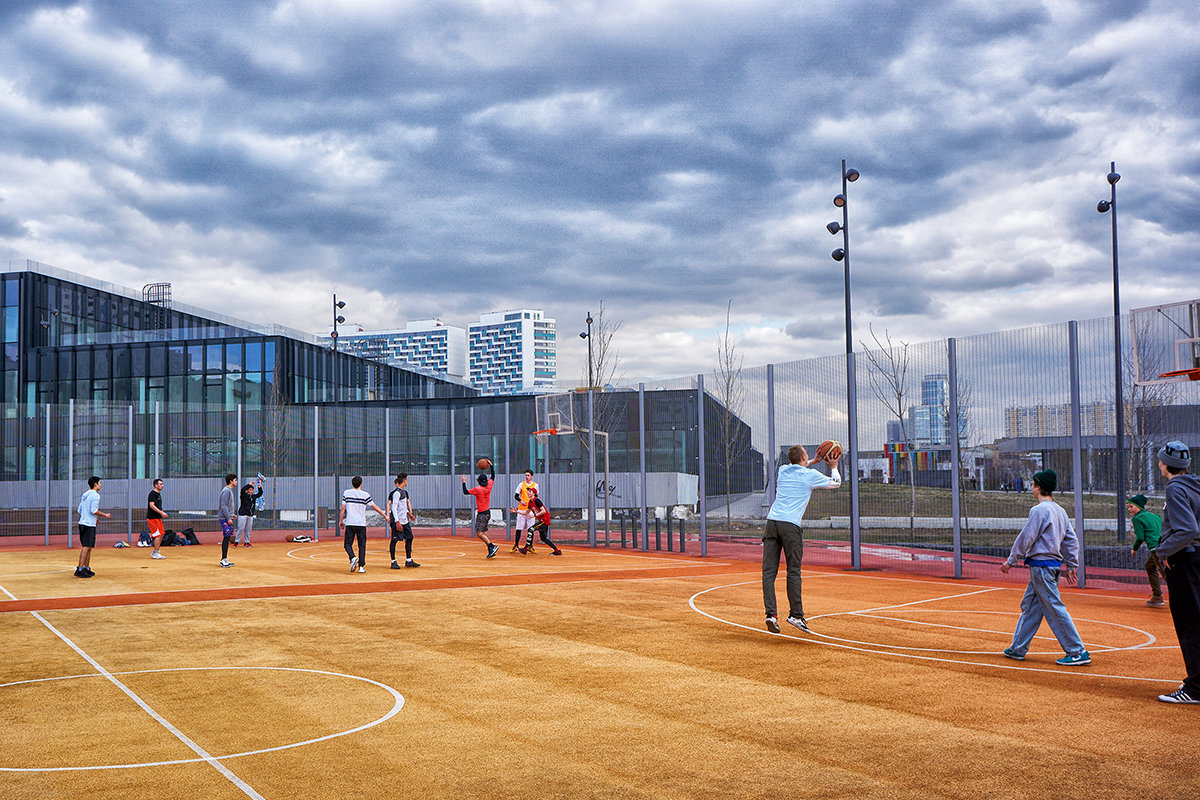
793,489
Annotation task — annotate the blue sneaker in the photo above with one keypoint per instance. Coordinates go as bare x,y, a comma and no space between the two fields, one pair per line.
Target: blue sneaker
1013,654
492,549
1077,660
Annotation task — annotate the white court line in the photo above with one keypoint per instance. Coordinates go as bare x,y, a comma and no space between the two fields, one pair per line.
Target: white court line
913,656
940,624
399,704
905,605
178,734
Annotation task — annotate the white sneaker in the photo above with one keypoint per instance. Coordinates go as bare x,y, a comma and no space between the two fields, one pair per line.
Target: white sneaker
157,555
800,623
225,562
362,569
354,564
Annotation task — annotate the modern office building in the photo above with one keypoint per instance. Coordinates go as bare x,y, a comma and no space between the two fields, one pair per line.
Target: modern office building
70,337
513,352
427,344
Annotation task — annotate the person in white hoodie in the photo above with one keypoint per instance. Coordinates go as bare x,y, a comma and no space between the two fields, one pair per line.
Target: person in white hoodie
1179,553
1048,546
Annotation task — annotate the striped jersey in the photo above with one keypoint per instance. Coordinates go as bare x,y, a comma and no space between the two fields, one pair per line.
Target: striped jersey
356,502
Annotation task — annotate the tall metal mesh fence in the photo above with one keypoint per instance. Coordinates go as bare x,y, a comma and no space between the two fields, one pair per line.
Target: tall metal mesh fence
663,464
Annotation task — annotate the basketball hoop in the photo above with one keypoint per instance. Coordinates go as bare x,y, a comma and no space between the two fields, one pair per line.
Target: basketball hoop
543,436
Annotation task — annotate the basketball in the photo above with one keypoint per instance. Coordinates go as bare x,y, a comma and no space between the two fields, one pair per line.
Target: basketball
483,463
829,450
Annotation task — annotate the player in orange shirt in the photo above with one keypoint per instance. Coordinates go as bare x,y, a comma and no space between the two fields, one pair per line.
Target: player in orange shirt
525,519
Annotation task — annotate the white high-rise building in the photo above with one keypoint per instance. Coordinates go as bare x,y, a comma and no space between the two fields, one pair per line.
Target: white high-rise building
425,343
513,352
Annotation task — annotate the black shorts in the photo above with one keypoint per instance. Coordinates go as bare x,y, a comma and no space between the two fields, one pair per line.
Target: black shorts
87,535
482,518
401,531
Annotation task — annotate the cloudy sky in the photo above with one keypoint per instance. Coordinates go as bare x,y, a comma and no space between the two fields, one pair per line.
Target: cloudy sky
444,159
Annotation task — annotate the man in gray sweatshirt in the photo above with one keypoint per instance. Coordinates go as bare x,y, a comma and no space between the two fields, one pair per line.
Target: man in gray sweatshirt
227,516
1047,544
1179,553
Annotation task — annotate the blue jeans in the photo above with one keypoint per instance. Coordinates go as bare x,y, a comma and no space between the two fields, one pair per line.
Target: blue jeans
1041,600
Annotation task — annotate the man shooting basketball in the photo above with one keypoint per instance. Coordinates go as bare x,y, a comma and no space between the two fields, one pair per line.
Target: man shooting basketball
794,484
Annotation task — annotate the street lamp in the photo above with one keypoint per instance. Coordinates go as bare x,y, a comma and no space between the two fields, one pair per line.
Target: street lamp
337,318
842,254
588,336
1105,206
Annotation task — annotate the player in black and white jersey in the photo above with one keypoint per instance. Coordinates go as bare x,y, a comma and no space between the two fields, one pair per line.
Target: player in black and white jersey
352,519
400,518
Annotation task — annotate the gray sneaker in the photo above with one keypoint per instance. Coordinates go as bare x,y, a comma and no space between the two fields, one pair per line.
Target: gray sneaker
773,624
1180,696
225,562
354,564
157,555
800,623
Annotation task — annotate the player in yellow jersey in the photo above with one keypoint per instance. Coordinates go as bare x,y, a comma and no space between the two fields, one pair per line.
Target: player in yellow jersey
525,518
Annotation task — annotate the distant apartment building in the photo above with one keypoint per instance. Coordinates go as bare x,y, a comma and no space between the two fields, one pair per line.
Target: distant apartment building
427,344
1095,419
513,352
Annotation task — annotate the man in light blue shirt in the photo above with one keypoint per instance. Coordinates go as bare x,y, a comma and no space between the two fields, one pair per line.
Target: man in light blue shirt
89,509
793,489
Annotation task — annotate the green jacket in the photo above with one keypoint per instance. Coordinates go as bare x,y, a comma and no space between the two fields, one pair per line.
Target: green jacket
1147,527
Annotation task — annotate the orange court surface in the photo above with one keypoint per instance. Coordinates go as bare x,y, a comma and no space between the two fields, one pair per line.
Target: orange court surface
600,674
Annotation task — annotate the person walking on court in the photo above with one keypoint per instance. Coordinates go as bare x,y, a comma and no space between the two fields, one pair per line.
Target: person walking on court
352,519
1047,544
400,518
227,516
1178,552
247,508
794,484
155,516
1147,527
89,509
483,506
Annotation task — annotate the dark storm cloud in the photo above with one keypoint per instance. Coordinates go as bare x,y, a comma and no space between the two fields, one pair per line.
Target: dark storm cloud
661,157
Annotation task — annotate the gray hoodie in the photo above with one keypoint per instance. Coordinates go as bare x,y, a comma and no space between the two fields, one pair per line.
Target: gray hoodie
1180,528
226,512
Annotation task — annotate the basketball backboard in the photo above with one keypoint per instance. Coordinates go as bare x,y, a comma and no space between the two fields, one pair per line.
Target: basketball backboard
556,412
1166,343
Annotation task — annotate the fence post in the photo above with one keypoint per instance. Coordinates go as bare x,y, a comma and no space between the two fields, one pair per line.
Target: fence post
771,448
157,439
240,465
955,500
70,462
508,531
316,470
642,457
1077,450
49,460
852,467
700,469
453,499
591,487
387,448
129,472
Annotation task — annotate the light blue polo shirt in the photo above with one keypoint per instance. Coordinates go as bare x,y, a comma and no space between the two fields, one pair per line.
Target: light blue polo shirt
793,489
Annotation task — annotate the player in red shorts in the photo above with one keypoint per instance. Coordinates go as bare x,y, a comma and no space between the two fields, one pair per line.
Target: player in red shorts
155,516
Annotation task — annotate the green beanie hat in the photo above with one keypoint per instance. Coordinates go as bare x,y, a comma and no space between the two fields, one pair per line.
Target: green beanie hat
1138,500
1047,480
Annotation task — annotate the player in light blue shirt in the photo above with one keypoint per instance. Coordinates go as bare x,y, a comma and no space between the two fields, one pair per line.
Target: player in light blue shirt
89,509
793,489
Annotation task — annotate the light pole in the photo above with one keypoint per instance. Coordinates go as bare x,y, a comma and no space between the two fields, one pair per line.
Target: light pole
842,254
337,305
588,336
1106,206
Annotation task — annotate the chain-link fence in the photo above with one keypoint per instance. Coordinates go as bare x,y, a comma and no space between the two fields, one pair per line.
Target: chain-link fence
949,434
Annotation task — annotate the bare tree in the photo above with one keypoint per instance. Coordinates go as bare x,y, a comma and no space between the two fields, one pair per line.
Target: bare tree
968,437
1145,420
731,395
276,442
889,382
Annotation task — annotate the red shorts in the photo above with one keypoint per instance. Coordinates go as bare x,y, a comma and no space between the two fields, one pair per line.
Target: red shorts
156,527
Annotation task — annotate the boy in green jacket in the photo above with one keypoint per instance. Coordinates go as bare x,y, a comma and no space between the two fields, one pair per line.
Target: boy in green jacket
1147,527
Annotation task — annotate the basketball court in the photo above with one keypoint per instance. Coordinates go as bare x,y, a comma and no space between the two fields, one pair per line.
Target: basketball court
598,674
